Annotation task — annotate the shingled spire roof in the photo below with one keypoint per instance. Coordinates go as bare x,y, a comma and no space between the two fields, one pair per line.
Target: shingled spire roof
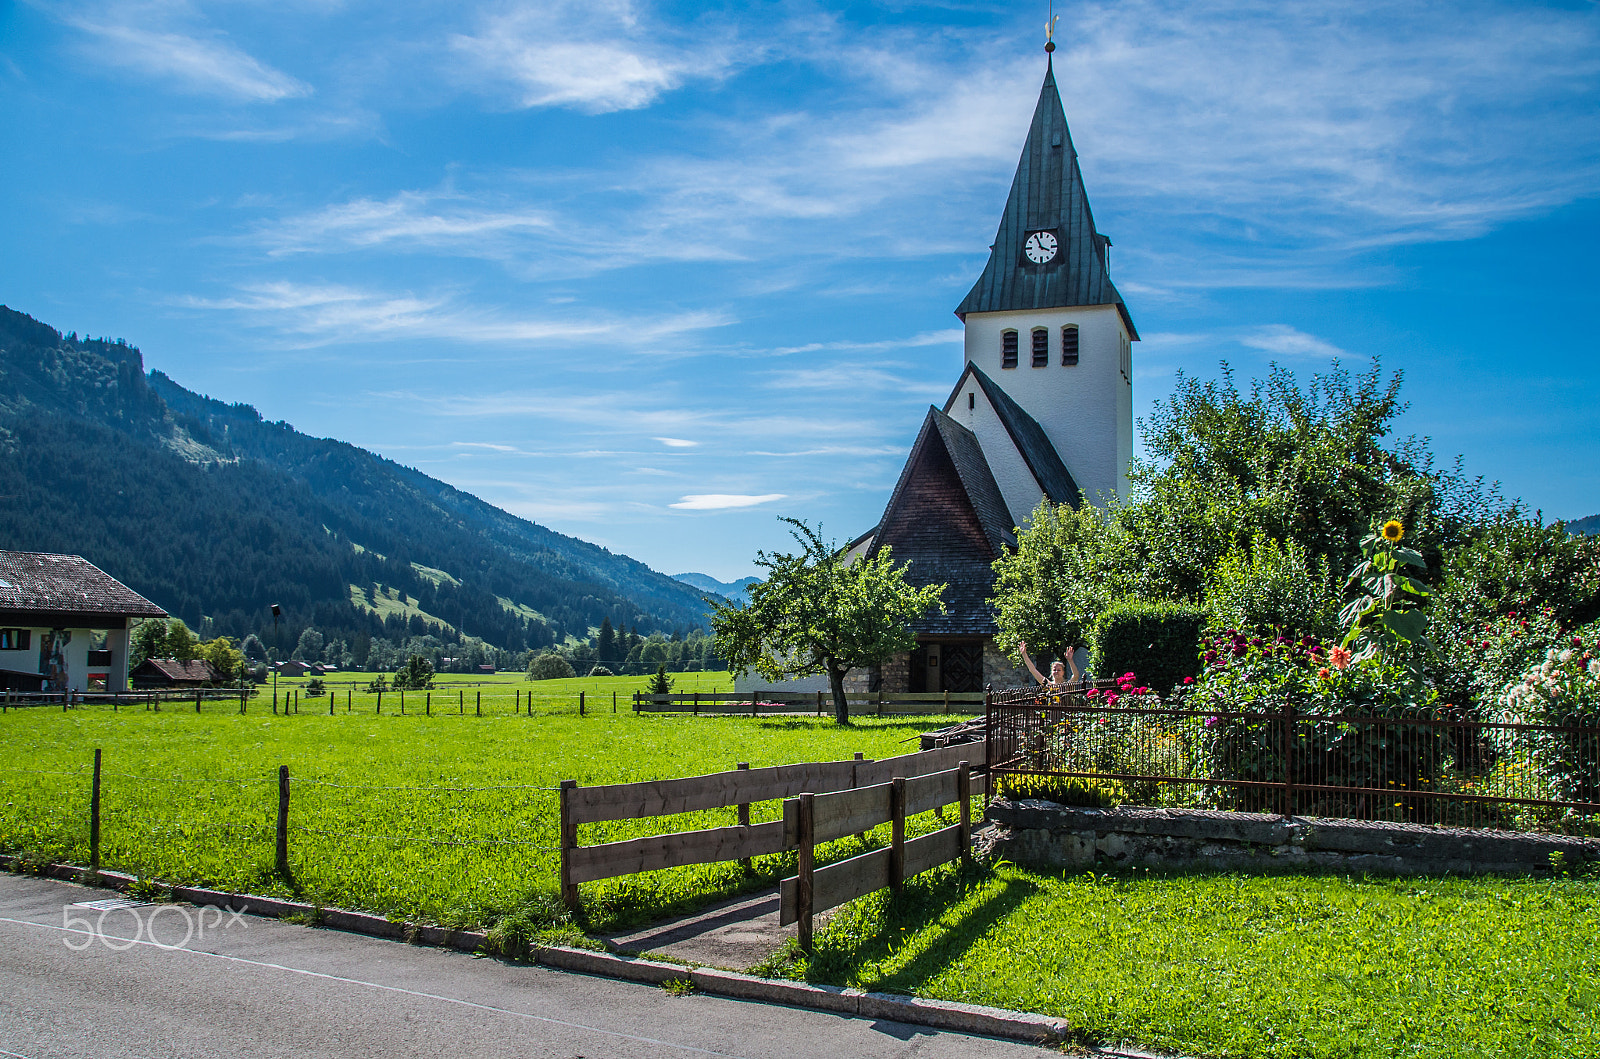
1046,194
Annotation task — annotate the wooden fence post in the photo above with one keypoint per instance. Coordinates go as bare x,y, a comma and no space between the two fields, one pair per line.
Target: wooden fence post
964,792
427,704
580,704
94,816
283,821
819,713
805,863
480,704
461,702
744,813
196,700
613,702
855,782
349,699
402,702
947,700
569,841
897,833
380,700
330,702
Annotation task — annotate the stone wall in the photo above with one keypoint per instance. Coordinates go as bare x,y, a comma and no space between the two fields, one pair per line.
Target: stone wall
1048,835
998,670
896,674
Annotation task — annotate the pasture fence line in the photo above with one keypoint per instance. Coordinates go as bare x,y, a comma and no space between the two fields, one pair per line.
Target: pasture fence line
769,701
1445,767
856,795
149,698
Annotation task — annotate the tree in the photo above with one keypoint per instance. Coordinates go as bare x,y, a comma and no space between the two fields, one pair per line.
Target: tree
818,612
550,667
415,675
606,643
253,648
180,643
660,684
1063,574
149,640
226,659
309,649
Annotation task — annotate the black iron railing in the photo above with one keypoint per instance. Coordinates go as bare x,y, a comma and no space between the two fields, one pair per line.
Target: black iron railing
1415,765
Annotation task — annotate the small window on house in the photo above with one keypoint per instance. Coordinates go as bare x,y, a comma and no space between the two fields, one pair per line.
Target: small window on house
1041,348
15,639
1008,349
972,401
1069,345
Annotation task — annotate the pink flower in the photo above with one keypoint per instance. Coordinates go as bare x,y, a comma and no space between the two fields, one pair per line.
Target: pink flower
1111,698
1188,680
1323,673
1092,693
1339,657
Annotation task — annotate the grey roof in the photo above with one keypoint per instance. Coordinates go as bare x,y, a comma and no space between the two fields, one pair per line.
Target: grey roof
66,584
1046,193
947,520
196,671
1029,438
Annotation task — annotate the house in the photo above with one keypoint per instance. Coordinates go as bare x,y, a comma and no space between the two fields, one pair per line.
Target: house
64,624
293,668
1042,408
173,673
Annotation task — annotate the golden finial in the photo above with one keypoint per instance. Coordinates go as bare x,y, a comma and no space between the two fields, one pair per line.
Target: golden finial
1050,30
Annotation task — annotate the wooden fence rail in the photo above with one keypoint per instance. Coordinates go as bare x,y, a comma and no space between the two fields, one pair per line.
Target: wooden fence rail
925,777
754,703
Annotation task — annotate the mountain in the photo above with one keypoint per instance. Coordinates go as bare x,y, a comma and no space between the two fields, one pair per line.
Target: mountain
215,514
1588,526
738,591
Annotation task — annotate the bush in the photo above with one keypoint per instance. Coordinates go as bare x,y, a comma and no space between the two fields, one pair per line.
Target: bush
315,687
601,671
550,666
1562,689
1272,586
1063,790
1156,641
415,675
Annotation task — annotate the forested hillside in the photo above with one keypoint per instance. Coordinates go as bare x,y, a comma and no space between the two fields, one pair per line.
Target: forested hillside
216,514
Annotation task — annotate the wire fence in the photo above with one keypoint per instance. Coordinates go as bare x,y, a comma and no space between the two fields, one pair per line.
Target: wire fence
1445,767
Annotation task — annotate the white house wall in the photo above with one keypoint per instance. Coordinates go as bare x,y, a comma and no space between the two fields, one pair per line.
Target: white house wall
1086,410
76,656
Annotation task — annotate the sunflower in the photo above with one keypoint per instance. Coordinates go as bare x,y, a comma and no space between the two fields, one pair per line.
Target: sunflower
1392,531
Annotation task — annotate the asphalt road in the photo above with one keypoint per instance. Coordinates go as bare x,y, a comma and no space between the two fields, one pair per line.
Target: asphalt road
179,982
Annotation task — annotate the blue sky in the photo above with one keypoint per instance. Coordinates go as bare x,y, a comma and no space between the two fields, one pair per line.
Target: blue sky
653,274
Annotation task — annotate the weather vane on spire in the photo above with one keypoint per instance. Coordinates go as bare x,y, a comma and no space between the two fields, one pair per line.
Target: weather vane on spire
1050,30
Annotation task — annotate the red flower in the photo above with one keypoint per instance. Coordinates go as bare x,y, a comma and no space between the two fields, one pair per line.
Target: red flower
1188,680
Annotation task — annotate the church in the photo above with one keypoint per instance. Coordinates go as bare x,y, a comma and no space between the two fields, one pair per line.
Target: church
1043,408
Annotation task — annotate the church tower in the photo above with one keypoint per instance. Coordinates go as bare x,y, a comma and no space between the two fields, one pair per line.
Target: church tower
1046,326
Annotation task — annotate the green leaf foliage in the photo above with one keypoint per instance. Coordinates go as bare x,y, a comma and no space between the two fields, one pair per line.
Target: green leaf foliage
822,611
1156,641
550,666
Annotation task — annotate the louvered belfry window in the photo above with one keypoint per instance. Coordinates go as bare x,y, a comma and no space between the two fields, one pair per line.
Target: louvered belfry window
1069,345
1008,349
1041,347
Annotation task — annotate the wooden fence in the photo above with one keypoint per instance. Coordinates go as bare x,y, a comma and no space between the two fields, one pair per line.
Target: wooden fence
933,772
751,704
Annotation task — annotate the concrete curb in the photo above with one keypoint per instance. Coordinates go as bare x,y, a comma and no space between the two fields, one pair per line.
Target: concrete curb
934,1014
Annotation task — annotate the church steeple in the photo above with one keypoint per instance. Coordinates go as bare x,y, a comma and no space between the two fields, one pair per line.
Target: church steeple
1047,213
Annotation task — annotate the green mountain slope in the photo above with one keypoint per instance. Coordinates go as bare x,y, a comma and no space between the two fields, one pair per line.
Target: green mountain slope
215,514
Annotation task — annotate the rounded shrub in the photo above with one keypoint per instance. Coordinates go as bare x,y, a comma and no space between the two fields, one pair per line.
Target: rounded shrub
1158,641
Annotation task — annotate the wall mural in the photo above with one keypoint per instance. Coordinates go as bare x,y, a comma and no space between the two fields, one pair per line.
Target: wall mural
53,658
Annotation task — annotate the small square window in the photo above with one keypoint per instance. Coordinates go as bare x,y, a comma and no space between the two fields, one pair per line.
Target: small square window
15,639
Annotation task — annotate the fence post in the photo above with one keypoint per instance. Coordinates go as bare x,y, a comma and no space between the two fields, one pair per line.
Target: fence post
805,862
744,817
380,701
947,700
330,703
897,833
402,702
964,793
461,702
427,704
613,702
196,700
569,842
855,781
580,704
94,816
1288,759
349,698
283,820
480,704
819,713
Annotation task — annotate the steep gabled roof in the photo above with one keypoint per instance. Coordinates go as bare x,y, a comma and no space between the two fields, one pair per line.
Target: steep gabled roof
947,520
196,670
1046,194
1028,436
47,583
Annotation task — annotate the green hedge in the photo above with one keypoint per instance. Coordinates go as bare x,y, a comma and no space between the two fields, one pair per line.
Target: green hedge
1157,642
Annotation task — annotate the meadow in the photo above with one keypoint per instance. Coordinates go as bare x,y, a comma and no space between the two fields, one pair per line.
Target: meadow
450,818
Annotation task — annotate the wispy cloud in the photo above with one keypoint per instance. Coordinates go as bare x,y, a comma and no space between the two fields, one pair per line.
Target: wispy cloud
678,443
594,57
208,64
724,501
1285,341
409,219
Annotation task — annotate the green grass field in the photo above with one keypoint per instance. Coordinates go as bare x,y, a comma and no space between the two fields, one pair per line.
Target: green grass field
1301,966
446,818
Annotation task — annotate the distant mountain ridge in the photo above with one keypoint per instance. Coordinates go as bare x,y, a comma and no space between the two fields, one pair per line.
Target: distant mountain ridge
1587,526
216,514
738,591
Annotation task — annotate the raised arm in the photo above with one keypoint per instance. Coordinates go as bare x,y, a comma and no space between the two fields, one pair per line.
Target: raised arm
1027,660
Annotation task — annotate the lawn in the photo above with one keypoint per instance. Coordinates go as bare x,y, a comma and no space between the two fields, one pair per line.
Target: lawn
447,818
1305,966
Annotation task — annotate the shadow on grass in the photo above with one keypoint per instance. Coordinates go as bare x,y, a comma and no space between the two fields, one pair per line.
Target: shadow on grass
910,914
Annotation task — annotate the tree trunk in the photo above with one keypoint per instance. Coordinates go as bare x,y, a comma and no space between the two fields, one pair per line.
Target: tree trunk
841,709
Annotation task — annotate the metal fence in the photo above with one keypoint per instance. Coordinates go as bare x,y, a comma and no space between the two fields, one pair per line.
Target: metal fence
1419,766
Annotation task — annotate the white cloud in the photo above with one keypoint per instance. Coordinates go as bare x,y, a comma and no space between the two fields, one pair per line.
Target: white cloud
677,443
723,501
207,65
595,57
1285,341
413,219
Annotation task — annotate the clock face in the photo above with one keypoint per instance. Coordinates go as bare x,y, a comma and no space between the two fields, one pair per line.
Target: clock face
1040,247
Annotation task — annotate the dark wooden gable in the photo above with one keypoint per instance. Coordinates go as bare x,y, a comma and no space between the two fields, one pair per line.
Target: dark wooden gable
946,520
